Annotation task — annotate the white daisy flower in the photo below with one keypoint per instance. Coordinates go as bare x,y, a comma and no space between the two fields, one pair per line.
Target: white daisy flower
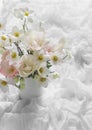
13,57
3,40
43,70
16,33
23,12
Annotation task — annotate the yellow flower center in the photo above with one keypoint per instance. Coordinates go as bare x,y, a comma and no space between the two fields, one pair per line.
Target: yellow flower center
42,79
41,70
0,25
40,57
55,58
3,83
16,34
11,70
3,38
26,13
14,55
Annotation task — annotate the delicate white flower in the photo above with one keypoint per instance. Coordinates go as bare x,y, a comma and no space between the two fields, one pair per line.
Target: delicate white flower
34,40
56,58
6,40
27,66
3,37
3,82
43,70
23,12
40,57
13,57
16,33
43,81
3,40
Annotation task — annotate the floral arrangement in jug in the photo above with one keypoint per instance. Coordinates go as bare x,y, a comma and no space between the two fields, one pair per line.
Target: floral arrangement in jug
25,52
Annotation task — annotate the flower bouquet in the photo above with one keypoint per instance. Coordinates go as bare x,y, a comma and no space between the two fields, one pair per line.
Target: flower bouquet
28,54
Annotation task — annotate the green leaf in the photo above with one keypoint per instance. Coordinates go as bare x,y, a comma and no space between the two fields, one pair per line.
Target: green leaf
16,79
22,84
56,75
48,64
30,52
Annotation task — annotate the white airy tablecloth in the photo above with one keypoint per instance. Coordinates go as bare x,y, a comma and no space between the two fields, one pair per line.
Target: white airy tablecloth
67,102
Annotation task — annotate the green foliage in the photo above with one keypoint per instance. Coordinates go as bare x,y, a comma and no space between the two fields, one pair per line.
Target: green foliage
48,64
22,83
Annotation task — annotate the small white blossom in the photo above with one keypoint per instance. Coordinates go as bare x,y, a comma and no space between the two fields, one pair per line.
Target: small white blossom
16,33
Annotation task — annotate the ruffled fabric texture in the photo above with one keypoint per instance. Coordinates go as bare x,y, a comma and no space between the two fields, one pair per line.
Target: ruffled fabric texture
67,102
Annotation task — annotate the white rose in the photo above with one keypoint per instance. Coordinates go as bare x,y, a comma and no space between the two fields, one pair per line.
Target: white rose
27,66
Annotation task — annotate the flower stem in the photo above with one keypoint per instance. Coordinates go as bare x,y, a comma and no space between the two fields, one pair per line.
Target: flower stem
19,49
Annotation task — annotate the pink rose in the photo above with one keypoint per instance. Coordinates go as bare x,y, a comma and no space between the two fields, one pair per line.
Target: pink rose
5,68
